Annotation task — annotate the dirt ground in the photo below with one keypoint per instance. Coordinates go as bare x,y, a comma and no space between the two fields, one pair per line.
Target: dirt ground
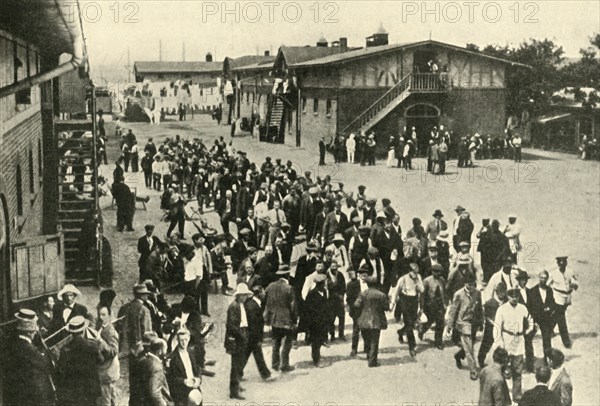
556,198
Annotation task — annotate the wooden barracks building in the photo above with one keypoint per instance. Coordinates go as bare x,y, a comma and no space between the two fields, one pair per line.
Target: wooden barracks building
333,89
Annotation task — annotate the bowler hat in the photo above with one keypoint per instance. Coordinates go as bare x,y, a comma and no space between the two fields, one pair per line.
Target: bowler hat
149,227
283,270
522,276
438,213
140,289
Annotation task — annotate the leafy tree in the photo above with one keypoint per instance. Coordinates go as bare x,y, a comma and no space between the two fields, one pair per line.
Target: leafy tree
586,71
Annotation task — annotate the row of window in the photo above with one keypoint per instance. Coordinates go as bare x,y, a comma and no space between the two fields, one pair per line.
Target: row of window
316,106
19,177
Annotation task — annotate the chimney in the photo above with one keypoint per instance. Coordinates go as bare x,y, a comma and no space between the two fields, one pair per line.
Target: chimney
343,44
209,57
160,50
183,52
267,53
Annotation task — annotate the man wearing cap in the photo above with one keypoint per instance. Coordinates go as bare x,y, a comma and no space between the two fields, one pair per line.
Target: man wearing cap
465,317
560,382
433,303
336,287
137,322
281,314
540,299
355,286
335,222
183,373
177,212
371,306
146,244
512,322
317,316
77,378
436,225
27,372
563,282
275,218
66,308
236,338
490,308
125,201
291,205
459,274
352,231
374,263
109,371
408,293
427,263
154,389
309,211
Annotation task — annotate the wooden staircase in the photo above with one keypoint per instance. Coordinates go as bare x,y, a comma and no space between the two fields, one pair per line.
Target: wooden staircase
411,83
76,198
275,118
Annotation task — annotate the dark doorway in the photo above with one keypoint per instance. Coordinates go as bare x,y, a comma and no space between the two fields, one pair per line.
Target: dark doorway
423,117
421,57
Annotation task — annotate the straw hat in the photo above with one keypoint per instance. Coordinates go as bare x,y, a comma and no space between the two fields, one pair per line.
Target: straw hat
242,289
26,320
69,288
76,325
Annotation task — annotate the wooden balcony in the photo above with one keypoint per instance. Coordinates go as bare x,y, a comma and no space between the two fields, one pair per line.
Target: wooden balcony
429,82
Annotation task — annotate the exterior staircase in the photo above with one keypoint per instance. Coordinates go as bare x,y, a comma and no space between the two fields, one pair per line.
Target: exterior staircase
275,118
411,83
76,198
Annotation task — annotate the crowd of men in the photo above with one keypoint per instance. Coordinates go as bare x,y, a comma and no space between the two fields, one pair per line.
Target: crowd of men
357,259
438,146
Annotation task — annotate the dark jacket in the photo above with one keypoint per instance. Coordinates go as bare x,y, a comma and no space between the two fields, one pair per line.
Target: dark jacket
78,382
256,321
145,250
372,305
352,292
542,312
316,311
176,375
26,373
539,395
280,305
333,226
155,391
493,390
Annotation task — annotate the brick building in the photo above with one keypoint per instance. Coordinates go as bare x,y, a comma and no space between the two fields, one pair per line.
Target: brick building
387,87
33,35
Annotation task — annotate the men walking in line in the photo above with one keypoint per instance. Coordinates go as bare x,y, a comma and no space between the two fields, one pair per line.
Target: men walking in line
371,306
354,288
563,281
281,314
542,307
256,324
317,316
490,308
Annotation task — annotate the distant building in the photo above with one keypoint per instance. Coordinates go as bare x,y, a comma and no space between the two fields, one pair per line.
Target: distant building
567,121
385,87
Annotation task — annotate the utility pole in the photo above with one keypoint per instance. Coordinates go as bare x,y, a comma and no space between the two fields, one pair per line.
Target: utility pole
183,52
128,67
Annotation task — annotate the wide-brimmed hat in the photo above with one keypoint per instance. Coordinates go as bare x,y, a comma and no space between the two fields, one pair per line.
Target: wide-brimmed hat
26,320
338,237
432,246
149,227
312,247
560,258
140,289
69,288
464,244
381,215
463,261
147,337
522,276
242,289
437,267
442,236
76,325
438,212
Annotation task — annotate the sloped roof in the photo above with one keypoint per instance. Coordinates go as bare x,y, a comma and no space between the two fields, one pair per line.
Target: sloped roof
335,58
177,67
266,65
296,55
247,60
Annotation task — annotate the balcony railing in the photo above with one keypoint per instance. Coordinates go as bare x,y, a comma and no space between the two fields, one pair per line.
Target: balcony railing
428,82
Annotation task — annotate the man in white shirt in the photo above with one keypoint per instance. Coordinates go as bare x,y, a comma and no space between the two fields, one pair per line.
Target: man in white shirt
508,274
513,322
513,232
236,338
563,282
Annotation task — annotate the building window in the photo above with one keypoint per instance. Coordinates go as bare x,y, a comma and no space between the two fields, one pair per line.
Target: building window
328,108
19,191
31,174
316,106
304,104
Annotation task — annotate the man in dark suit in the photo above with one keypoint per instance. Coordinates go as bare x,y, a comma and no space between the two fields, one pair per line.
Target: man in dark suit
355,286
560,383
65,310
183,373
250,223
26,371
256,324
78,382
372,305
226,209
146,245
493,390
335,222
155,390
125,201
540,394
541,305
236,338
316,306
308,212
281,314
436,225
267,266
243,202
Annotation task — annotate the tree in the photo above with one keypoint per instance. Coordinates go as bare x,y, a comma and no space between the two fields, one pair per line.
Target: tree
586,71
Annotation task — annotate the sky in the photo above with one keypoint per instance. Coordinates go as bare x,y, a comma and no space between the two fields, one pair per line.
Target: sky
232,28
